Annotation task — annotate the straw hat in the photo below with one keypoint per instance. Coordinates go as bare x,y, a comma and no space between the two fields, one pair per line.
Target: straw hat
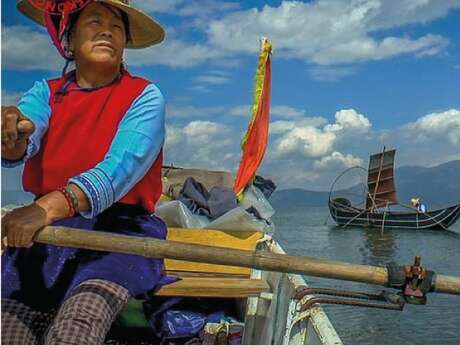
144,31
415,201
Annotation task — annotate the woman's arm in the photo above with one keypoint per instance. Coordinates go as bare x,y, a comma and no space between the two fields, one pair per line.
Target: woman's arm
30,119
134,149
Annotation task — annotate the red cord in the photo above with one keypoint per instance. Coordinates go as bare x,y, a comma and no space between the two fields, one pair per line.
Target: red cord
69,201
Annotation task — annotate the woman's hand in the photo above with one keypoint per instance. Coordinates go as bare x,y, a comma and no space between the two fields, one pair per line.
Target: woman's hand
16,129
20,225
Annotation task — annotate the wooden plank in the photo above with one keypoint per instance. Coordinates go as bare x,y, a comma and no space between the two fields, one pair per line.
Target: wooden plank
245,240
214,287
204,274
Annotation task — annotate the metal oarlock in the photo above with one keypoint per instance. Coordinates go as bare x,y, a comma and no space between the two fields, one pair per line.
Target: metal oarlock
418,282
385,300
414,281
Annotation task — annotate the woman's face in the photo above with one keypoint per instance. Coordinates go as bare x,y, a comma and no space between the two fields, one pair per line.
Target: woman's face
98,36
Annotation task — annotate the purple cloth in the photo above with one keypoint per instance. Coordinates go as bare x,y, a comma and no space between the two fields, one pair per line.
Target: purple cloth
42,275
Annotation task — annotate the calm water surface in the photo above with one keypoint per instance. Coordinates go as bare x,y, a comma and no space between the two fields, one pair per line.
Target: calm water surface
304,232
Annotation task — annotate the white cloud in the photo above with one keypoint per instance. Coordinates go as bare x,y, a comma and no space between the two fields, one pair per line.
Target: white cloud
173,53
323,32
241,110
278,111
28,49
444,126
331,32
202,144
25,48
282,126
337,160
313,156
286,112
200,8
349,119
201,131
366,48
403,12
430,140
212,79
279,127
310,140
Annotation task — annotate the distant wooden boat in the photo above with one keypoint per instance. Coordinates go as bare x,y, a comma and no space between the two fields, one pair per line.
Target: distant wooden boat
381,193
345,215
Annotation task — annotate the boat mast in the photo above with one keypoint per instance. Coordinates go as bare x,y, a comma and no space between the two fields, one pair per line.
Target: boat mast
378,179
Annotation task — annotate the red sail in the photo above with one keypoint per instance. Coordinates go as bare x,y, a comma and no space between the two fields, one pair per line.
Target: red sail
380,180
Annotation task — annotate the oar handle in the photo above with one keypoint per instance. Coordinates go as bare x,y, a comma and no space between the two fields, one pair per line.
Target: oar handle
155,248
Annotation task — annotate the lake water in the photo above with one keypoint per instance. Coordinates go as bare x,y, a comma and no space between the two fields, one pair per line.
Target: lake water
311,232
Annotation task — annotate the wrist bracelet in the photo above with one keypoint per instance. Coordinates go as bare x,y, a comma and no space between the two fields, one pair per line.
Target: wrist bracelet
66,194
73,198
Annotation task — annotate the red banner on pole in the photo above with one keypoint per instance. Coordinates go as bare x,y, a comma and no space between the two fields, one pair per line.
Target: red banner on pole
256,139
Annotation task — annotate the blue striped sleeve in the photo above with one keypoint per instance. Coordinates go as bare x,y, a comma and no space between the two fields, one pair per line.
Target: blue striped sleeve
133,151
34,104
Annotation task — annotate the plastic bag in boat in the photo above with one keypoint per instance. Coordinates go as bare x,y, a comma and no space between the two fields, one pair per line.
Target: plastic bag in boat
176,214
239,219
253,197
181,323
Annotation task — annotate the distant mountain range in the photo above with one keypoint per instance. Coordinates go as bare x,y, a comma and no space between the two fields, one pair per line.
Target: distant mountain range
437,187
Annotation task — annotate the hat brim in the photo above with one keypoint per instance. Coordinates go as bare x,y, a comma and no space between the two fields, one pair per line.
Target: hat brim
144,31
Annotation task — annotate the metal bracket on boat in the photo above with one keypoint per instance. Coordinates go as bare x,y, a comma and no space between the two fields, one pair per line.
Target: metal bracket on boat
385,300
414,281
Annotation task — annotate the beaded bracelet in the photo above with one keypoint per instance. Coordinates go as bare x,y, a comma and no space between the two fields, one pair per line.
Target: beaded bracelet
73,198
66,194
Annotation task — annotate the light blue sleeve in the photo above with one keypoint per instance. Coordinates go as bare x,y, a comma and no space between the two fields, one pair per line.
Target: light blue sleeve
34,104
134,149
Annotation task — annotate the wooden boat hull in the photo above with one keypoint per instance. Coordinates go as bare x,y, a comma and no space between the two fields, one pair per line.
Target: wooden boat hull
274,318
436,219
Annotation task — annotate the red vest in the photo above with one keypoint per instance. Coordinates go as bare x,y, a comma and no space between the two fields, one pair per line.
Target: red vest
81,129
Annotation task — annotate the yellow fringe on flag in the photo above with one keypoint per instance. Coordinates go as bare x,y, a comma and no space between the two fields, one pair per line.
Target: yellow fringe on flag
257,132
265,51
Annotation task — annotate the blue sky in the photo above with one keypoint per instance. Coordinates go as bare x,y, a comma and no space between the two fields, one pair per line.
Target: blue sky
348,77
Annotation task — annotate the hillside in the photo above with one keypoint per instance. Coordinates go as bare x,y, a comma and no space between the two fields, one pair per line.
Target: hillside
437,186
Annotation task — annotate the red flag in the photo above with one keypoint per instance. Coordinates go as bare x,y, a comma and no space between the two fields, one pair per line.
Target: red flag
256,139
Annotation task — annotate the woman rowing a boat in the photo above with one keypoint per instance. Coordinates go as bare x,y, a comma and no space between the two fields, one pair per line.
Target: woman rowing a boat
91,142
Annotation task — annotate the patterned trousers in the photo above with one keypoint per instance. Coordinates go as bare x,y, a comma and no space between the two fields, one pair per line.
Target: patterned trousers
84,318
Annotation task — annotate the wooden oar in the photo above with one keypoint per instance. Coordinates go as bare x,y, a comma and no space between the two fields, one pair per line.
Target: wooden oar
149,247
